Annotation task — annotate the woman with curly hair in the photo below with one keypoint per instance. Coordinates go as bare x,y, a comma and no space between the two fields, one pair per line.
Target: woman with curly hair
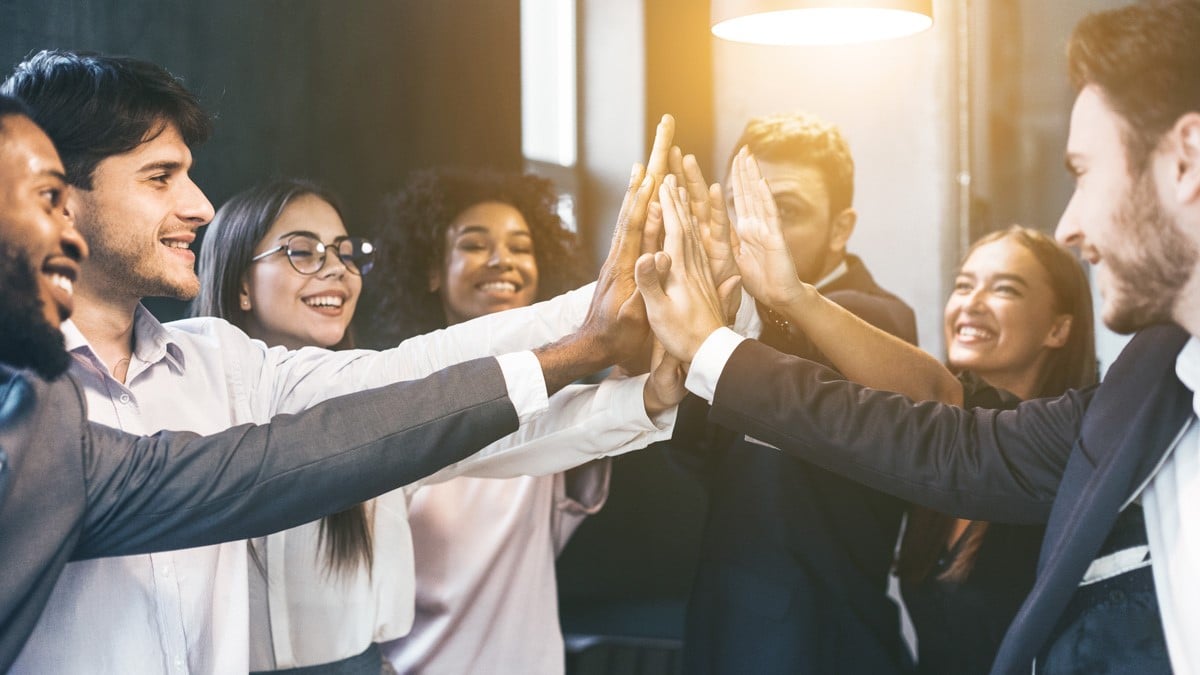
455,245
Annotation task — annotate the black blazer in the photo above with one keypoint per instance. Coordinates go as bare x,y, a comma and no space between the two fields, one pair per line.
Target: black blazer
1071,462
794,560
71,489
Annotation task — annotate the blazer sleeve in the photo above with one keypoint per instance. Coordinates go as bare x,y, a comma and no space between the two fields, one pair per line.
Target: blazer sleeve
1002,466
179,490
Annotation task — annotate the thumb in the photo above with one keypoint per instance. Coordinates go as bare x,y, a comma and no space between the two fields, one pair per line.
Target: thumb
729,287
647,276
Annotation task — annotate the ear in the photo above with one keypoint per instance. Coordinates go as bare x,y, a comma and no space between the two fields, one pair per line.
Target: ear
1187,179
244,295
841,229
1059,333
435,280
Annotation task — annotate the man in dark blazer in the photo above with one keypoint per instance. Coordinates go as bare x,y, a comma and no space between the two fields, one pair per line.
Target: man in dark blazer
794,560
1113,471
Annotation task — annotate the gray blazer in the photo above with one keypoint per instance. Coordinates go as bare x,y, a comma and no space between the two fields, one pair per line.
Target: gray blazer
71,489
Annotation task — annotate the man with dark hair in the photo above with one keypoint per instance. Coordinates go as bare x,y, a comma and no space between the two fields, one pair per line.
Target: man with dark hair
1113,471
70,490
794,560
139,209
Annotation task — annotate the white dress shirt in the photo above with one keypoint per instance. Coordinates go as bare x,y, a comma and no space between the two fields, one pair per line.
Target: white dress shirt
1171,504
306,616
186,611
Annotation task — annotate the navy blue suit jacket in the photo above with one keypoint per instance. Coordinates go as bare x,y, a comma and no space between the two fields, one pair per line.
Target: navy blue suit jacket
794,561
1071,462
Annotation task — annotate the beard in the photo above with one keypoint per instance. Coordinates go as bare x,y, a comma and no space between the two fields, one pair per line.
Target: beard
124,262
1149,276
27,340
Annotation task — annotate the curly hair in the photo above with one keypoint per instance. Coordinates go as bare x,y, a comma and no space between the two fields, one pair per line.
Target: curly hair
411,239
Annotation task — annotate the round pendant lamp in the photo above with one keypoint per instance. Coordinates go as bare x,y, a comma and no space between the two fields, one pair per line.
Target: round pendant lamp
818,22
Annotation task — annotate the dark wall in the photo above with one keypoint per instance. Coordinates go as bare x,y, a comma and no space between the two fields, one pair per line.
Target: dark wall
353,94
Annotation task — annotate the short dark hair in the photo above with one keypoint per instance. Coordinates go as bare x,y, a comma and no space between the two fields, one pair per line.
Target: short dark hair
12,106
411,237
95,106
1144,60
804,138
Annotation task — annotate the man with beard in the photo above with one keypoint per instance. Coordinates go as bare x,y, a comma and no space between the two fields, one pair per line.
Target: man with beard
1113,471
73,490
124,129
794,560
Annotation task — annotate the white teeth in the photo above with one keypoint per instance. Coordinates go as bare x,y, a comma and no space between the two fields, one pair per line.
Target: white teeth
973,332
498,286
174,243
324,301
64,283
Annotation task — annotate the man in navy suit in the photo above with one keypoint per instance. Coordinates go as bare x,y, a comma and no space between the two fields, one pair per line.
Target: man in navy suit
794,560
1113,471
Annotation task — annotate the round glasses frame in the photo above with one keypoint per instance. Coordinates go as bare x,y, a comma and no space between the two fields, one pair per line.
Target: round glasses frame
358,260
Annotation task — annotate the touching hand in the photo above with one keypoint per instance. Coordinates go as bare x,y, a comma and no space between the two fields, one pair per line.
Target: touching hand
682,301
707,204
759,250
664,388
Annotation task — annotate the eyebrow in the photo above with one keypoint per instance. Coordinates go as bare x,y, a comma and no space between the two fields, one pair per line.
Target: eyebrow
999,277
52,173
293,233
164,165
480,229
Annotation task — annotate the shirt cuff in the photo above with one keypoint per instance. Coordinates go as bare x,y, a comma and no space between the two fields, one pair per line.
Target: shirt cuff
709,362
747,321
625,398
525,384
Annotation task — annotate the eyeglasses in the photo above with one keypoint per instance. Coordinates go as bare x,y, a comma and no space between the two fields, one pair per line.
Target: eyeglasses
307,253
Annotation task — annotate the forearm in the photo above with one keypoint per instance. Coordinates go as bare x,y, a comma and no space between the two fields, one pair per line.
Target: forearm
868,355
583,423
178,490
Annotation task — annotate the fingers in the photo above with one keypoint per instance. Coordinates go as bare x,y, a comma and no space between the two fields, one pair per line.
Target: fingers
627,235
697,189
664,135
675,161
652,234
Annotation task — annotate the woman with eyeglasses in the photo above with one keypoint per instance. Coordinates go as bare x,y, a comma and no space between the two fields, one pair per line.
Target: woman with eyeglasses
278,263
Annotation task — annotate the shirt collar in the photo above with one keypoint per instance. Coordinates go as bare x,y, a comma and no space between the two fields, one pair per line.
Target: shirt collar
152,341
1187,367
834,275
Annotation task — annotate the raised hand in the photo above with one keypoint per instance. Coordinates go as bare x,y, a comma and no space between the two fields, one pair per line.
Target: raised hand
759,250
614,329
664,388
707,204
682,301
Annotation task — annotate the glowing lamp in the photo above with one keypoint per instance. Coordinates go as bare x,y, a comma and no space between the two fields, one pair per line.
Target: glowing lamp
818,22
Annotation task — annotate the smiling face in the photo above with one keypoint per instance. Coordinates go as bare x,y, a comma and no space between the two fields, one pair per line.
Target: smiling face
32,199
140,217
299,310
1001,321
489,264
1142,259
815,237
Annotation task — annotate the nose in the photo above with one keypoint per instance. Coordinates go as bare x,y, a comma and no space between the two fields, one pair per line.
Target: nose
1068,233
70,240
194,207
332,266
501,258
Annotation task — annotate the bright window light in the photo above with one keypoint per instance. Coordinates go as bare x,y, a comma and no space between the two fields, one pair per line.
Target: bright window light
548,112
822,26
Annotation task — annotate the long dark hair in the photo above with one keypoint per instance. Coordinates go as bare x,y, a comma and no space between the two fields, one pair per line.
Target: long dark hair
224,258
411,238
1069,367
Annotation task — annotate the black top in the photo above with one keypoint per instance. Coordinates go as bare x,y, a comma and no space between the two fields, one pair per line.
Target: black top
959,624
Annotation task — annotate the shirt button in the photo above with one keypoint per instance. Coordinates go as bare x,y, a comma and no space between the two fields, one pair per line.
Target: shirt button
125,399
